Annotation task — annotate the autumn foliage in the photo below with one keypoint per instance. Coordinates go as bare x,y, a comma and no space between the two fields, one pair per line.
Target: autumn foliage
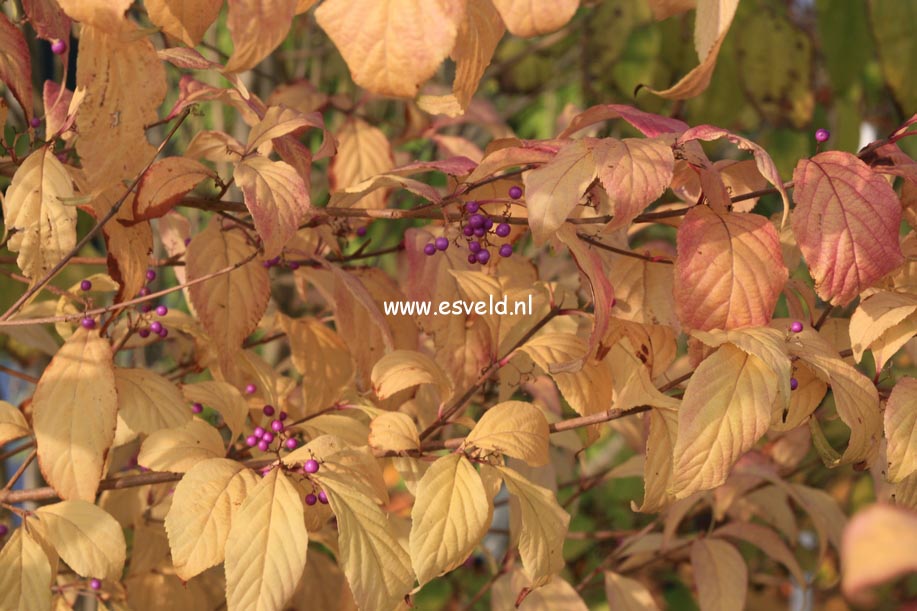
210,400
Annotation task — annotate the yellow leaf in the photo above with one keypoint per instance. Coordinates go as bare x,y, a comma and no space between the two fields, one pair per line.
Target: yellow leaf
883,323
25,574
322,357
402,369
544,527
626,594
377,566
186,21
880,544
725,410
279,121
203,507
266,547
720,574
554,595
643,290
149,402
87,538
363,152
229,305
394,432
35,206
256,28
660,453
12,423
901,430
214,146
179,449
513,428
224,398
74,413
451,515
803,401
528,18
392,46
104,14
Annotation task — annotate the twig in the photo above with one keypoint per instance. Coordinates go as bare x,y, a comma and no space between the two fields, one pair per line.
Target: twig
25,465
18,374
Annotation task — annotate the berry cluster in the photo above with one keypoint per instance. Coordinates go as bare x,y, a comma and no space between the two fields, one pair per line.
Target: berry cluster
263,438
280,262
796,327
309,467
161,310
478,230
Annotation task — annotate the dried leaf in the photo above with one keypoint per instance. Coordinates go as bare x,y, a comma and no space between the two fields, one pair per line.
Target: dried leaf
87,538
178,450
149,402
720,574
276,197
513,428
257,27
25,574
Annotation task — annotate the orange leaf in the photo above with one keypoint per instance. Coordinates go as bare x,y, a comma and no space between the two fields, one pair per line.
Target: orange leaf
846,223
165,184
276,197
15,65
256,28
528,18
186,21
729,271
363,151
107,15
880,543
646,123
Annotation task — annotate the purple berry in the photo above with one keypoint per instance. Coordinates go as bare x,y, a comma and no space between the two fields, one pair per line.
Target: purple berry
474,246
196,408
95,584
266,264
146,307
162,310
282,415
150,275
322,497
3,530
268,437
472,258
441,243
515,192
268,410
506,250
251,441
361,232
187,241
34,121
258,432
163,333
796,327
311,499
263,445
483,256
488,223
58,47
293,265
290,443
156,326
85,285
144,332
429,250
794,383
476,221
822,135
479,232
468,231
276,426
88,322
144,291
250,389
472,207
310,466
503,230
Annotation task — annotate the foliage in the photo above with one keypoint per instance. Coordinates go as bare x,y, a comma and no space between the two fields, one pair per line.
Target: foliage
216,212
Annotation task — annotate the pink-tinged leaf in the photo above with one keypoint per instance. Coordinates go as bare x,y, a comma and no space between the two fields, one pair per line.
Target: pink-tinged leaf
649,124
453,166
279,121
512,156
48,19
60,107
729,271
165,184
890,159
189,59
553,191
846,223
15,65
527,18
256,28
634,172
765,164
192,91
879,545
349,197
902,131
276,197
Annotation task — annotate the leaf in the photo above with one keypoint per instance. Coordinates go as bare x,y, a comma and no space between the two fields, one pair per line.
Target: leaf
178,450
729,270
882,322
12,423
634,172
214,146
276,197
647,123
660,456
25,574
322,357
878,546
626,594
392,46
35,207
165,184
527,18
544,527
402,369
394,432
767,541
224,398
74,412
377,567
720,574
106,15
725,410
266,546
663,9
451,515
204,504
186,21
229,305
363,152
87,538
901,430
555,594
896,48
149,402
513,428
15,64
846,223
553,190
257,27
48,19
278,121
